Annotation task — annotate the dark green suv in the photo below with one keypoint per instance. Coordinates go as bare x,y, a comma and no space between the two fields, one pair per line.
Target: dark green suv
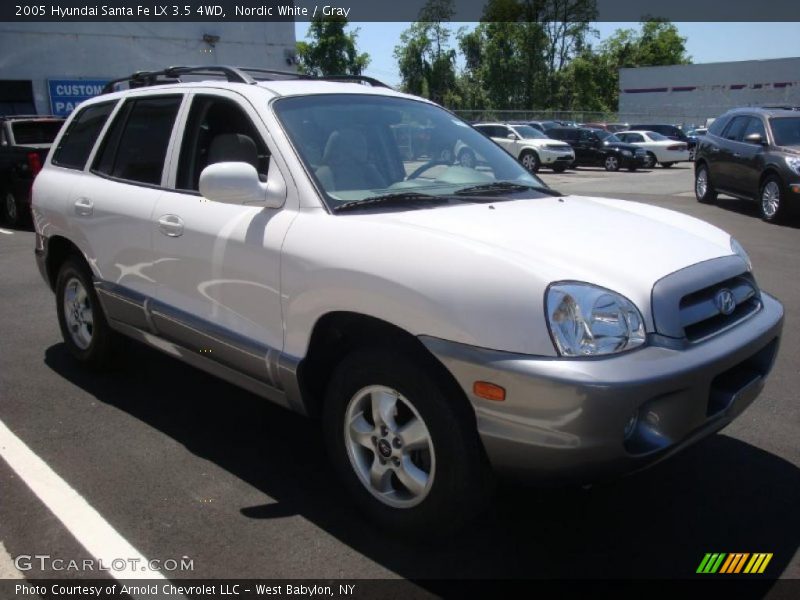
752,153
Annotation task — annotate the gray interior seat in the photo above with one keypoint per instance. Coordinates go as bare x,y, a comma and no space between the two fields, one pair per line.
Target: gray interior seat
344,163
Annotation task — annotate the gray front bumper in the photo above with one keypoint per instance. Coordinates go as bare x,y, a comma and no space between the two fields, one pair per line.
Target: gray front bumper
564,419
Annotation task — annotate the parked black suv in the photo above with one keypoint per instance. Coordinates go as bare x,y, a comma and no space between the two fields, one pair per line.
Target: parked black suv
752,153
598,147
672,132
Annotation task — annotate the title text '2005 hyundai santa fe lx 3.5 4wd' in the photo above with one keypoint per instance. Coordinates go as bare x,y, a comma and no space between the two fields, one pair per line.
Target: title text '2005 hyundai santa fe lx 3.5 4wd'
445,322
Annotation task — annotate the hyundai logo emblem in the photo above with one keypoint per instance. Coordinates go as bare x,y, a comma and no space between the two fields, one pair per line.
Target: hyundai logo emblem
725,301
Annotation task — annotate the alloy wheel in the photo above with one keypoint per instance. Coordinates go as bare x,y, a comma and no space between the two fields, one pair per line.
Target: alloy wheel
78,313
771,199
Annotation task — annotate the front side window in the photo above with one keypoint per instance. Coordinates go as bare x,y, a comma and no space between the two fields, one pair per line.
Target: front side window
76,144
218,130
754,126
135,145
736,128
349,145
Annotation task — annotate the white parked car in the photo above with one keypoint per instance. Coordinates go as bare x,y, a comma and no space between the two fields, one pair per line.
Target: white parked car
531,147
660,148
444,322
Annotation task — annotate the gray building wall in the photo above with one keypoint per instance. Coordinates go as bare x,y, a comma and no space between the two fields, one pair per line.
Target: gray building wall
693,93
42,51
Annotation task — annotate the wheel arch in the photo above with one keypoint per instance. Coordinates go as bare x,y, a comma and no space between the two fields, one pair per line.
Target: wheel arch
335,334
59,249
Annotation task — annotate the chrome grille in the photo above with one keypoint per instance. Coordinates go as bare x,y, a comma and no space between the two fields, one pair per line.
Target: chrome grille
685,305
700,315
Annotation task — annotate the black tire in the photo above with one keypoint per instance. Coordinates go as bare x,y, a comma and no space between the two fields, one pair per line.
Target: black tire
667,165
462,482
704,192
632,168
559,168
772,212
103,341
13,211
651,161
611,162
530,160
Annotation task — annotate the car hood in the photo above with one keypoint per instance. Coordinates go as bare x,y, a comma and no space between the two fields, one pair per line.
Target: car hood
621,245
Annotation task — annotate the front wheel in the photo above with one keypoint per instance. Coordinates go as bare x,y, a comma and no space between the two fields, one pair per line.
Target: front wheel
530,160
611,163
649,160
407,451
83,325
771,206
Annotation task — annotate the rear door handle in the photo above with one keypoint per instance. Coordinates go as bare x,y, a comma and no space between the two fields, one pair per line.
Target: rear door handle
84,207
170,225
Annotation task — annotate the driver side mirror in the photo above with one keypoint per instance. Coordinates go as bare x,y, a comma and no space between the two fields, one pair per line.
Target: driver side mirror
239,183
512,136
755,138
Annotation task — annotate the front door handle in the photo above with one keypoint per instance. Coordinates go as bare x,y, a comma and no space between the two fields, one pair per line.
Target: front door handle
170,225
84,207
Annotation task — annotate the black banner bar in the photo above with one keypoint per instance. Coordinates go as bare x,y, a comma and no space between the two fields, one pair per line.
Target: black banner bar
381,10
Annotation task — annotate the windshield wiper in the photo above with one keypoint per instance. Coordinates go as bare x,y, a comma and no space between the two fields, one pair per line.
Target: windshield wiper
503,186
397,199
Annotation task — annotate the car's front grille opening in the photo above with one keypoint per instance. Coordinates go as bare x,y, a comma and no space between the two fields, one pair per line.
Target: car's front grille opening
703,313
727,385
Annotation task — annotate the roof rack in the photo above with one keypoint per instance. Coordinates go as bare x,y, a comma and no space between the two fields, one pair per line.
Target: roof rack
779,107
232,74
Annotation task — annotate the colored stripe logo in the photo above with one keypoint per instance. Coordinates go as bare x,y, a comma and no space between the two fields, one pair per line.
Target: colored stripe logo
733,563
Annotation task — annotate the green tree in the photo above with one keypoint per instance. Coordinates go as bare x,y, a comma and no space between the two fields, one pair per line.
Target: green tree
331,50
657,43
426,62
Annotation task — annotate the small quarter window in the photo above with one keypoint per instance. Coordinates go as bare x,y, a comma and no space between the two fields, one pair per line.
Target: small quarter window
76,144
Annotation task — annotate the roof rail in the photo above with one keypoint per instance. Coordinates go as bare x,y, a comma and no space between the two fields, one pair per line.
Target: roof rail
173,74
232,74
779,107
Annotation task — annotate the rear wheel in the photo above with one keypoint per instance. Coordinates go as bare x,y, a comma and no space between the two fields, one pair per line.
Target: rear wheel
703,190
13,212
83,325
530,160
771,205
650,160
611,163
667,165
408,452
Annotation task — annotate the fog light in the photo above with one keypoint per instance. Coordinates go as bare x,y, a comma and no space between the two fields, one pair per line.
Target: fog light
630,426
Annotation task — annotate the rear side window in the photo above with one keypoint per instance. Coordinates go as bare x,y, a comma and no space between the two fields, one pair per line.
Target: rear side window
136,143
76,144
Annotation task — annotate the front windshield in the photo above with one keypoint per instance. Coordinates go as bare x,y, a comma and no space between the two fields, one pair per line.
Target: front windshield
527,132
608,137
363,146
786,131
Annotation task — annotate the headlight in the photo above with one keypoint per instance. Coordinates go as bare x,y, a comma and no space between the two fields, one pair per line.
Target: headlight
793,162
587,320
626,153
739,251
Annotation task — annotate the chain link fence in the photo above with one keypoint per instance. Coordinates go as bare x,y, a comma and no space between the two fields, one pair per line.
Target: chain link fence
581,116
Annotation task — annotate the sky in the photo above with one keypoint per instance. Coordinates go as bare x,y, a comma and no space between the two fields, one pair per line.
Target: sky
707,42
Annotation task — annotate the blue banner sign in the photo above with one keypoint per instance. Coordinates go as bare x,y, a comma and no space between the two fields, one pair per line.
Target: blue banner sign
66,94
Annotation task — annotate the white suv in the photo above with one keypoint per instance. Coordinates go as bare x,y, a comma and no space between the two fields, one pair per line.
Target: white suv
444,321
531,147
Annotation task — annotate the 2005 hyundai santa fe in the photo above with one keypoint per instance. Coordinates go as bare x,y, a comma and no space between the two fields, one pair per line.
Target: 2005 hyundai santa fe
445,321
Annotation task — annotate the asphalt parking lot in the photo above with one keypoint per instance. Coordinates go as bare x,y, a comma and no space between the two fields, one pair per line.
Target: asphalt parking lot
184,465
